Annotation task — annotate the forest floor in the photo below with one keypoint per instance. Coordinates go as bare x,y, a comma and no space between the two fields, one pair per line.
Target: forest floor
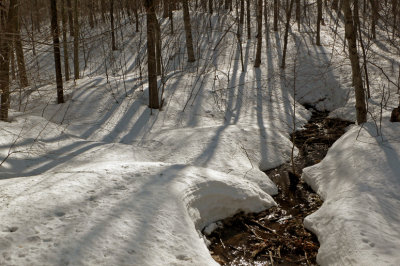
104,180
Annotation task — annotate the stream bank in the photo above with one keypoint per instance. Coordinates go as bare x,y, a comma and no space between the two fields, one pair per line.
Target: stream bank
277,236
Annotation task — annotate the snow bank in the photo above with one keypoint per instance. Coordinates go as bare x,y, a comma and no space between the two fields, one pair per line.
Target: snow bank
118,213
359,180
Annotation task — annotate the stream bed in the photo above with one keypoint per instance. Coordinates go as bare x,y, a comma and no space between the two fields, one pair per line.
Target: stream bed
277,235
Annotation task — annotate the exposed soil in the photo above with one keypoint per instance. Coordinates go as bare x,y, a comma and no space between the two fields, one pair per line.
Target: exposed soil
277,236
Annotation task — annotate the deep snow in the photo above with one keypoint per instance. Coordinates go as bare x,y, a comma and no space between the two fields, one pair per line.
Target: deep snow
101,180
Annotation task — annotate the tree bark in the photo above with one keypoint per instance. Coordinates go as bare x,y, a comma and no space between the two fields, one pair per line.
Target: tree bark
374,7
188,31
56,47
70,18
19,51
319,18
241,19
6,37
151,55
113,46
257,61
76,40
298,17
276,14
285,38
65,40
248,19
157,36
350,33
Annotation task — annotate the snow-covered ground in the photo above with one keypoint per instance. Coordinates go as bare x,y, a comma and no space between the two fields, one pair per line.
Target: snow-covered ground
103,180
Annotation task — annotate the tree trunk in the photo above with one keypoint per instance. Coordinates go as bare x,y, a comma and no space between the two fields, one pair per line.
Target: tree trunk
355,64
70,18
151,55
6,34
91,13
135,11
20,52
248,19
113,46
103,10
157,36
241,20
165,8
188,31
210,6
374,7
257,62
171,18
285,38
65,40
395,13
12,61
276,14
357,25
57,54
298,16
76,40
319,18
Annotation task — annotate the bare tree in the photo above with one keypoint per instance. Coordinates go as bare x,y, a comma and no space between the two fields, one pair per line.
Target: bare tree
257,61
18,50
319,18
350,32
6,34
188,31
113,46
276,14
76,40
151,55
65,40
285,38
56,47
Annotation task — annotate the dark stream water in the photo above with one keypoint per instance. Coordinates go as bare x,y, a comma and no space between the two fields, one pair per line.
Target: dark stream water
277,236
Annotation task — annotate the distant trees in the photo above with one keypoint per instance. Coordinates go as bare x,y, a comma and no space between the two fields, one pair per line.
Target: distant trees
107,20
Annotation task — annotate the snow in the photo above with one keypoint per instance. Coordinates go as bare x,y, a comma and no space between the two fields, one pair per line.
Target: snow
359,181
103,180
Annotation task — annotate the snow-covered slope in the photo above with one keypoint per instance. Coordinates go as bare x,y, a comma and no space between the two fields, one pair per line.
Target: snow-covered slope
359,181
103,180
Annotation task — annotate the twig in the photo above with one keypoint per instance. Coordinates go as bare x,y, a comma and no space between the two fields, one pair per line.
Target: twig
263,227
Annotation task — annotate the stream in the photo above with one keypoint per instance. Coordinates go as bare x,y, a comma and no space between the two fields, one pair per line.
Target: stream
277,236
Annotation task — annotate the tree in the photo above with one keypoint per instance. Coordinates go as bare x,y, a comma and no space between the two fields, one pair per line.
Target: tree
257,61
76,40
319,18
248,19
6,33
276,14
56,48
65,40
350,32
285,38
113,46
151,54
188,31
18,49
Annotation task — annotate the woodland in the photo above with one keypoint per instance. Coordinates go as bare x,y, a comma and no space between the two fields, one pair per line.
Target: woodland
202,132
